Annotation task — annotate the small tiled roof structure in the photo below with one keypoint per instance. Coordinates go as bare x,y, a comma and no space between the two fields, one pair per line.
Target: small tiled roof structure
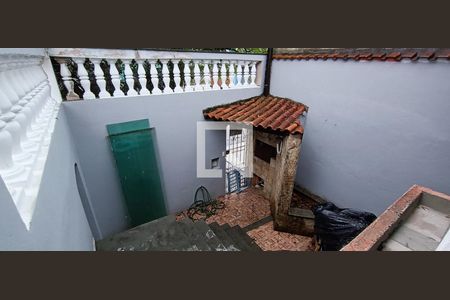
368,54
266,112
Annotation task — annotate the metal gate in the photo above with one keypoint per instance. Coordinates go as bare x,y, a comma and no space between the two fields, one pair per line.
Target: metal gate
236,160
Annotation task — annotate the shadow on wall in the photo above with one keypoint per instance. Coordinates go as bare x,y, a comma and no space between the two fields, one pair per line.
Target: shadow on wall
85,200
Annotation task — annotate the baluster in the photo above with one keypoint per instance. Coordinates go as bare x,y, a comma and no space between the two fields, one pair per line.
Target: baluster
253,74
215,83
166,76
100,78
84,79
207,76
222,78
233,74
229,75
187,77
115,78
155,78
129,78
240,76
177,77
142,78
197,76
6,142
246,74
6,161
67,80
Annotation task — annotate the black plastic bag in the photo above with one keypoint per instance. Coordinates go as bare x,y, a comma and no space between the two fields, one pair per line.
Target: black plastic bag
335,227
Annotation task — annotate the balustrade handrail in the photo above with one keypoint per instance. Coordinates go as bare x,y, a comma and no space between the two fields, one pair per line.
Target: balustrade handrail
87,73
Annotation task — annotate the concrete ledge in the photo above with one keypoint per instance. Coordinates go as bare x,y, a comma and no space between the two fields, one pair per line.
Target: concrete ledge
377,232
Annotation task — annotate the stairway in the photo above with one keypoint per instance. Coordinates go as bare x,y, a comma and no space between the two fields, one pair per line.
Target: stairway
168,234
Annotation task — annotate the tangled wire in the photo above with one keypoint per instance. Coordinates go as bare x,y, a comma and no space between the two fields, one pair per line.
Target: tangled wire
204,207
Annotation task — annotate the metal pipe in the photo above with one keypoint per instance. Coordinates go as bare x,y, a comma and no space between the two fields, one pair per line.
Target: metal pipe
268,70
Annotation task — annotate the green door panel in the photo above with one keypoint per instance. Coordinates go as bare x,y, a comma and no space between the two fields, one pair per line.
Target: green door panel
133,149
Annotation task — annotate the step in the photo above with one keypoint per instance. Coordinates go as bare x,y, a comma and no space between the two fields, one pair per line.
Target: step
223,236
136,237
209,236
250,242
257,224
165,234
194,238
237,238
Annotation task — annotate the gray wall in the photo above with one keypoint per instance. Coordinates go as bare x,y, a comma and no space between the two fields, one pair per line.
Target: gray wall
59,221
373,129
174,118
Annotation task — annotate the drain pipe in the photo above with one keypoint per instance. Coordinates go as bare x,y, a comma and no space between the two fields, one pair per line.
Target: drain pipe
267,73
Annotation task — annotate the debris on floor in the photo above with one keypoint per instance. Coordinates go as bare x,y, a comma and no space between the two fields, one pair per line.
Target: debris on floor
302,201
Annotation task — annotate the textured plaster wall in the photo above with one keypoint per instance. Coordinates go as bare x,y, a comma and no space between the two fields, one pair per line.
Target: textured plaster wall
59,220
373,129
174,118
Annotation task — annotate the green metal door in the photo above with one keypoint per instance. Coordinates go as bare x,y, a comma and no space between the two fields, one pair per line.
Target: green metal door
135,156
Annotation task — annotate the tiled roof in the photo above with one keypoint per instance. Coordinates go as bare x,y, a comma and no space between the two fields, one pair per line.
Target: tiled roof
267,112
379,54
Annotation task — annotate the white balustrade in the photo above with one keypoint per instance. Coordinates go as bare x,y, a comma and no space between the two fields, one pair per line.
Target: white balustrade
197,77
215,71
129,78
222,78
253,74
240,73
233,75
207,75
67,80
189,87
100,78
166,76
247,79
236,71
177,76
115,78
27,117
142,78
155,78
84,78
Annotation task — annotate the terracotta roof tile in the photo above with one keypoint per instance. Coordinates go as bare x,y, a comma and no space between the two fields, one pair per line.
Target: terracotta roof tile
380,54
267,112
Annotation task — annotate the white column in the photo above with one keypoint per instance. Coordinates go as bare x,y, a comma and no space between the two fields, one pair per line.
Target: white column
207,75
166,76
115,78
197,76
100,78
232,75
187,77
154,79
223,74
253,74
240,76
215,76
6,142
176,76
142,78
129,78
84,79
246,73
67,80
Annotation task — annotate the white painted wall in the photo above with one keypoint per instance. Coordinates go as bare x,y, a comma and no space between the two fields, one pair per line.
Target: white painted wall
373,128
59,221
174,118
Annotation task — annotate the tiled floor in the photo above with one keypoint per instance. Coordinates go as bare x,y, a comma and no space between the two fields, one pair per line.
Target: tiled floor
242,209
271,240
250,206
